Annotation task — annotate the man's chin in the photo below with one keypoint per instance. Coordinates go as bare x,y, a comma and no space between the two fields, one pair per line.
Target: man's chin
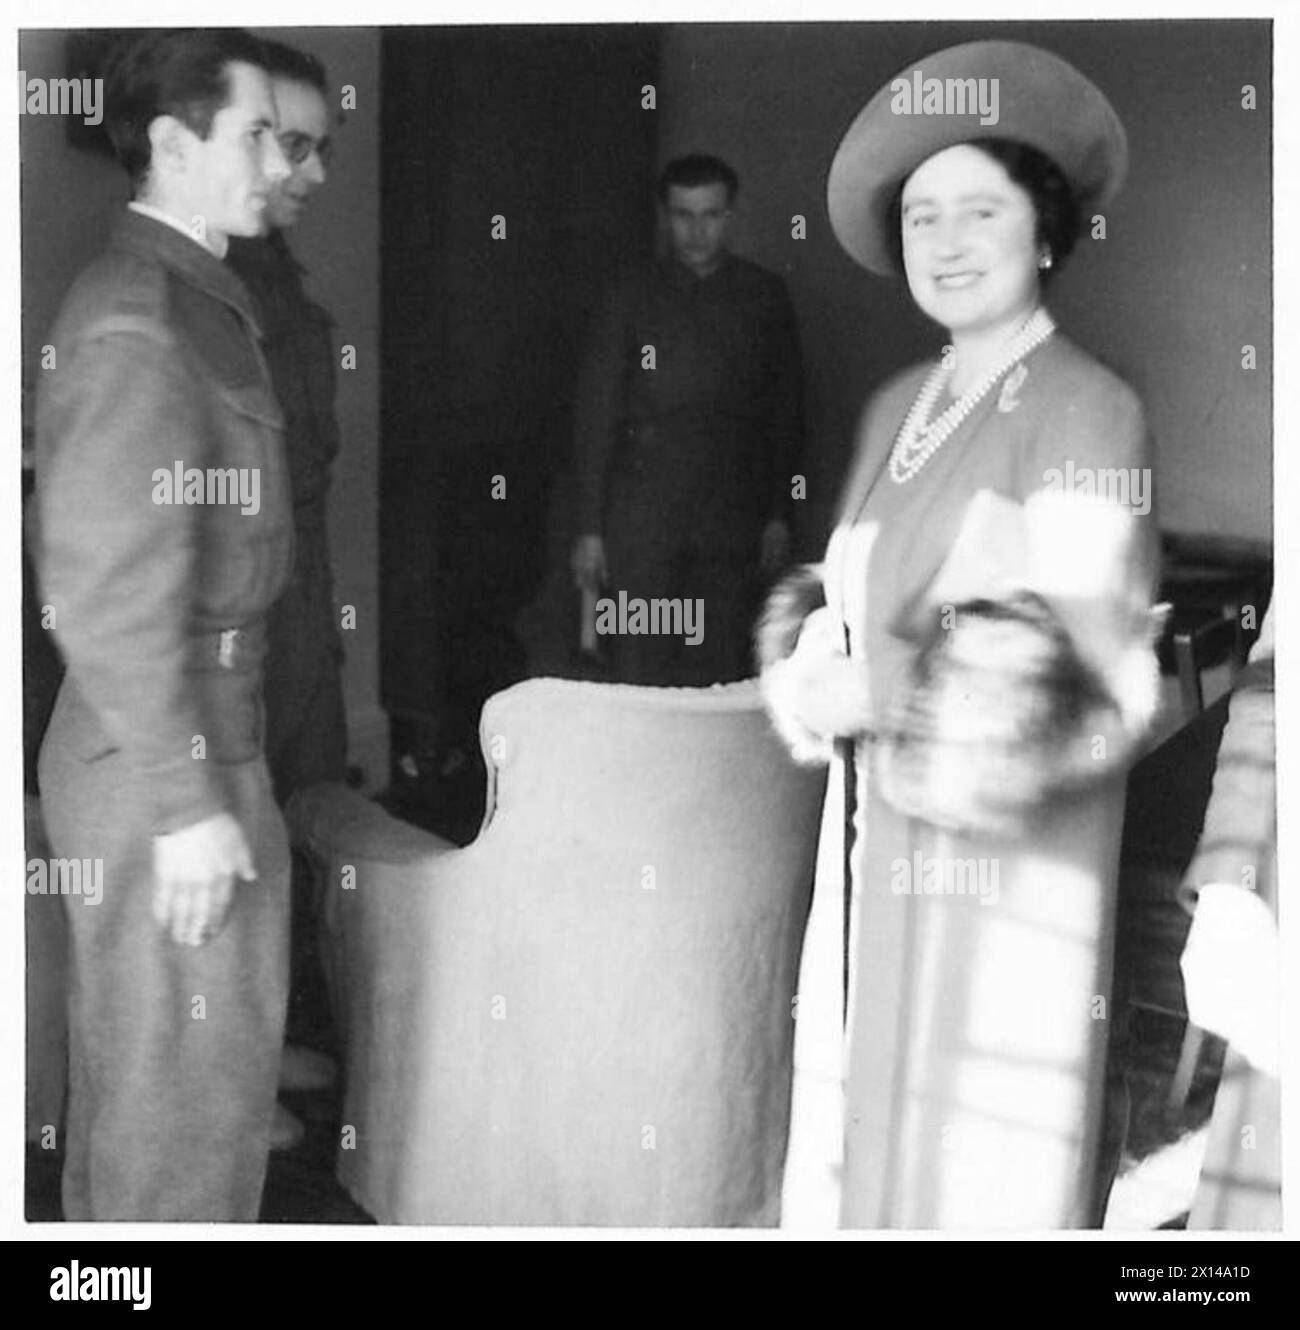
702,264
254,225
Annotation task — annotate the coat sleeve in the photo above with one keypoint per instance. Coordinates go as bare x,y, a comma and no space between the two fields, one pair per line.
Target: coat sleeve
1092,544
599,407
118,567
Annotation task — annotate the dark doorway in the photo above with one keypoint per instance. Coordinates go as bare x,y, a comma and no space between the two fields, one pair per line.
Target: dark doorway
541,129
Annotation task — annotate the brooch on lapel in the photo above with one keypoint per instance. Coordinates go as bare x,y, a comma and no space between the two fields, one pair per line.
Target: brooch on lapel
1007,399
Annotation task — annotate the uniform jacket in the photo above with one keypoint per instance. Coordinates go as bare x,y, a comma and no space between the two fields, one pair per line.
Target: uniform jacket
306,732
722,404
298,344
159,606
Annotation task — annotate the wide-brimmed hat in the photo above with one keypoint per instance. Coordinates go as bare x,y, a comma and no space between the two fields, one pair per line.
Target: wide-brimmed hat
1006,90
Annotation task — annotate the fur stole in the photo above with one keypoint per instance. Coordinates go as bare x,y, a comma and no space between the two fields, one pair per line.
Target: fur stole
1000,716
787,656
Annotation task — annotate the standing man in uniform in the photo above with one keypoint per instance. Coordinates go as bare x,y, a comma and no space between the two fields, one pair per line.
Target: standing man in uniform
688,423
306,731
165,536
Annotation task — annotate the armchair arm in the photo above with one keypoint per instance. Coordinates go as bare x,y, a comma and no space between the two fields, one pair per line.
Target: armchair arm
328,820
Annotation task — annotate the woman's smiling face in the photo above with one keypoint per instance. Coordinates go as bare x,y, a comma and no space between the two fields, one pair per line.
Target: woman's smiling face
970,245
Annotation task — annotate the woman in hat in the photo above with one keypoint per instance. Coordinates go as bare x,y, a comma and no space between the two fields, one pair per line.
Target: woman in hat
983,660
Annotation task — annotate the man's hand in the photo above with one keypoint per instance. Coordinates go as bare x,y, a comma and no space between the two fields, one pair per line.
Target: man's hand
774,546
588,563
194,873
1231,972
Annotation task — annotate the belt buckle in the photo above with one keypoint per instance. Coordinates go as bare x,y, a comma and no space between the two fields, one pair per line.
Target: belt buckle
226,648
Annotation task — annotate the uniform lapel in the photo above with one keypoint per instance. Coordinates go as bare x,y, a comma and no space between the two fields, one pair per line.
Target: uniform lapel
189,261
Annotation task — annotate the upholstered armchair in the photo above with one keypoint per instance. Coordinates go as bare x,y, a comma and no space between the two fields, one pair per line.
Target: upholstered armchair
584,1017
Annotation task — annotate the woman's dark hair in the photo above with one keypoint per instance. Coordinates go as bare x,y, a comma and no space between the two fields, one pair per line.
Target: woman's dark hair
179,72
1056,206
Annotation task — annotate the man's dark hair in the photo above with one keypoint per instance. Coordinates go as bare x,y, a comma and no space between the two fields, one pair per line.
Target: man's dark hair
1056,206
287,62
180,72
695,170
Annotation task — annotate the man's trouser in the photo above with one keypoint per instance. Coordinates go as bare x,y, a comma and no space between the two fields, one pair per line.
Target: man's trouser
174,1050
720,587
684,524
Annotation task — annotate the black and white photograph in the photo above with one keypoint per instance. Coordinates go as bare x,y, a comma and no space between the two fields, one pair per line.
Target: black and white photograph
648,622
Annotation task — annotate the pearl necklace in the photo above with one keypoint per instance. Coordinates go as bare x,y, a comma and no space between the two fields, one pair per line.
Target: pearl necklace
919,438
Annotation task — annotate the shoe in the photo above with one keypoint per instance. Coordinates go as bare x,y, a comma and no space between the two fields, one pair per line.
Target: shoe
286,1130
304,1069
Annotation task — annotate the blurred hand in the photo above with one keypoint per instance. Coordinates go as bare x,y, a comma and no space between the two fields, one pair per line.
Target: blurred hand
774,546
588,563
1231,972
194,877
830,691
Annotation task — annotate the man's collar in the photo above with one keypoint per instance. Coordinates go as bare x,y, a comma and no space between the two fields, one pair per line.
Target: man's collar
268,252
148,210
158,237
678,275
